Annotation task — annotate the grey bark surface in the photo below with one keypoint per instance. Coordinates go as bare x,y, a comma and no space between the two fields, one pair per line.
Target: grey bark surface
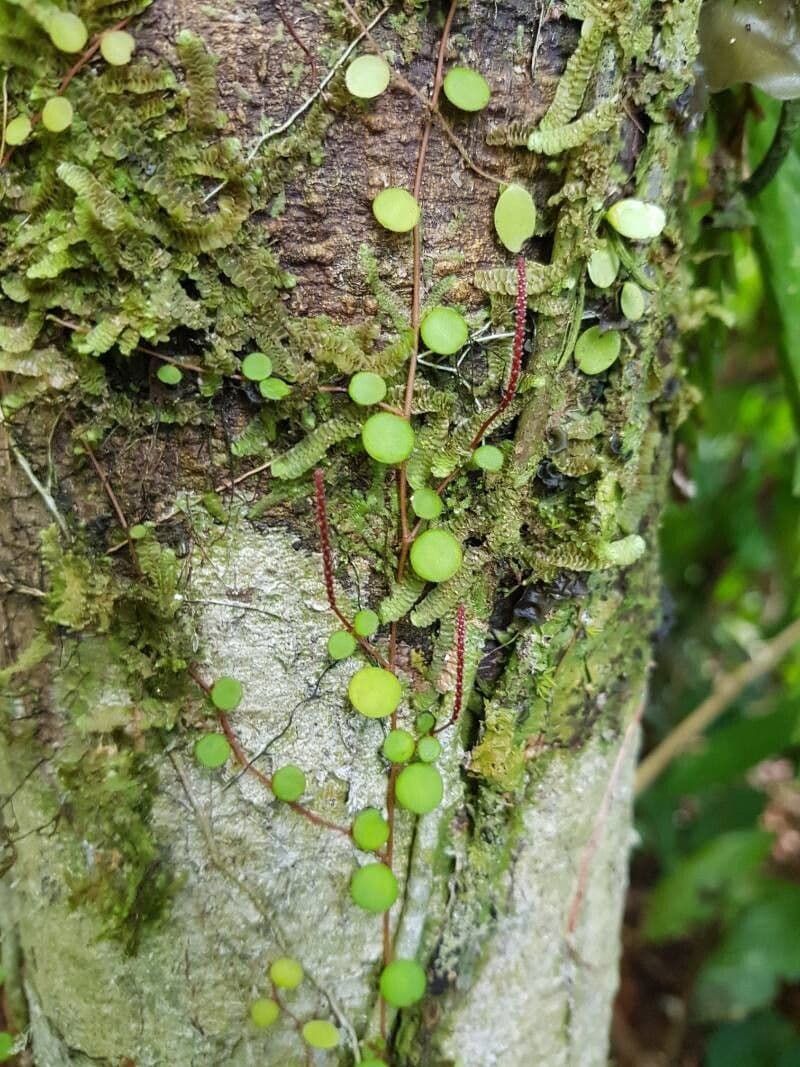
259,882
510,985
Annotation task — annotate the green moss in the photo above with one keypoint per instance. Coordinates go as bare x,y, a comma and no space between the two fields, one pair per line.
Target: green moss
108,791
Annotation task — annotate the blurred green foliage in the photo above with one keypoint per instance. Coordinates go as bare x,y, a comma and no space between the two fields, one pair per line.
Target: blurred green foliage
722,826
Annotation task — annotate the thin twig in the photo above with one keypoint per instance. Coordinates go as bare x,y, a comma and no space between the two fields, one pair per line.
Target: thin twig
726,689
115,504
27,470
229,483
248,765
262,140
321,512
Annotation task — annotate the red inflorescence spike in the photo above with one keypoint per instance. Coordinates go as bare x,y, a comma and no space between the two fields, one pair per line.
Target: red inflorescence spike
516,358
458,697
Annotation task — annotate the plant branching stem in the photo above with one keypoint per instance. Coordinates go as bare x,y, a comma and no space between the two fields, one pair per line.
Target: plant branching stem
726,689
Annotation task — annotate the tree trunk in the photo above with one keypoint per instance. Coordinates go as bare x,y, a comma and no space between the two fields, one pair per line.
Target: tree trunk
145,896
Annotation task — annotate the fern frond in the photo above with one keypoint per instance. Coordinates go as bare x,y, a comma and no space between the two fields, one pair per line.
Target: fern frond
101,337
139,78
199,67
553,140
401,599
443,599
215,230
311,449
21,338
107,208
573,83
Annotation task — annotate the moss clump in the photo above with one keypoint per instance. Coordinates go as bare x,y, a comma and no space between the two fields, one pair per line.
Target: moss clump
108,790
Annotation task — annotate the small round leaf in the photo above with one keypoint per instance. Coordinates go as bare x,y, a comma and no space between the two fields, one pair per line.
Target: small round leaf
375,692
396,210
636,219
226,693
419,788
444,330
368,77
466,89
402,983
212,750
514,217
436,555
256,366
289,783
596,349
366,388
387,438
57,114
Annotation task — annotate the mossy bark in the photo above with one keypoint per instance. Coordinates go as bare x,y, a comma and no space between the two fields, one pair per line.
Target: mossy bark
144,897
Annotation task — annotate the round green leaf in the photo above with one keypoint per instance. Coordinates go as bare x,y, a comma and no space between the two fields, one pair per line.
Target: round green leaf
387,438
116,47
57,114
370,830
444,331
366,622
429,749
256,366
436,555
375,692
366,388
632,301
368,77
226,693
603,266
636,219
319,1033
341,644
286,972
289,783
396,210
169,374
402,983
264,1012
398,747
425,722
426,503
419,788
596,349
374,888
274,389
514,217
488,458
67,32
18,130
212,750
466,89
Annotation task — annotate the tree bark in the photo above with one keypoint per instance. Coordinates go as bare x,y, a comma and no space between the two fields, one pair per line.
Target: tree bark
510,891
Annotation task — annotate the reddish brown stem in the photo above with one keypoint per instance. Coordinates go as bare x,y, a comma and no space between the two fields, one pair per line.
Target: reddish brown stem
516,359
248,765
321,510
416,251
297,39
458,697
